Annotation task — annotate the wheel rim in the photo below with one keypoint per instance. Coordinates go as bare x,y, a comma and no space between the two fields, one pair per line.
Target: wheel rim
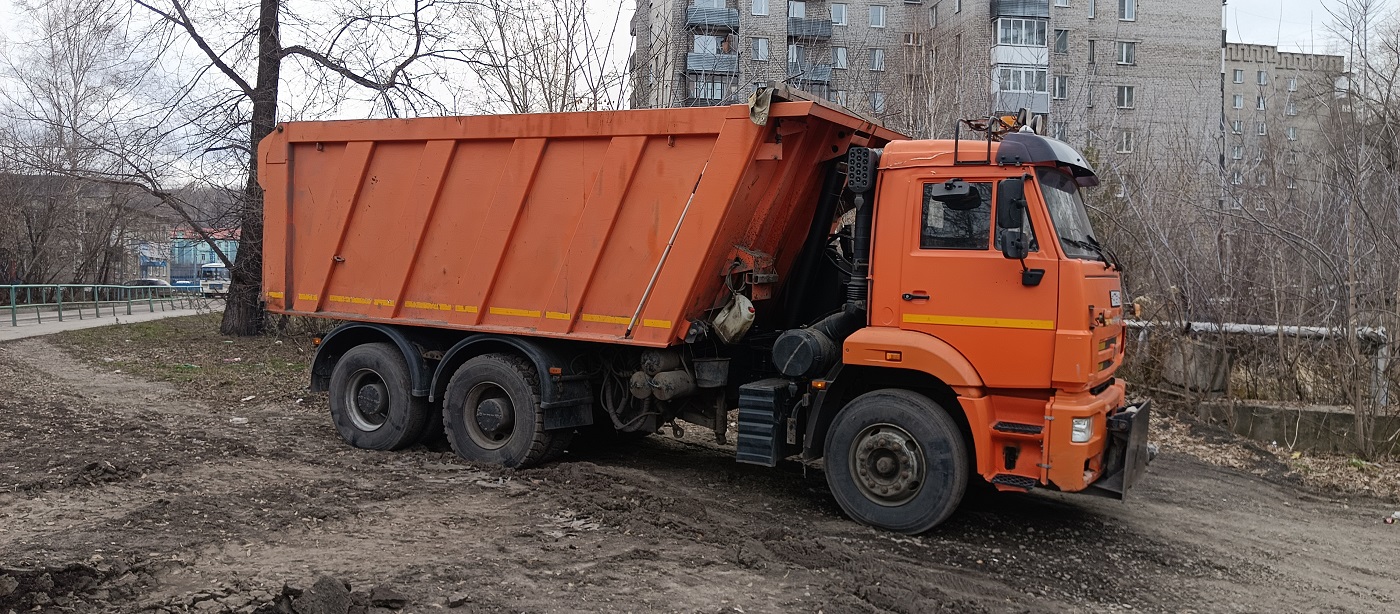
887,465
490,415
369,400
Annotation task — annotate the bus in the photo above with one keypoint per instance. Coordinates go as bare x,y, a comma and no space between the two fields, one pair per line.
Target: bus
213,280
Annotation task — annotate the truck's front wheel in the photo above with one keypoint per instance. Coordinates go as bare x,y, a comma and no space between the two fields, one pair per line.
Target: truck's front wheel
492,413
896,460
372,402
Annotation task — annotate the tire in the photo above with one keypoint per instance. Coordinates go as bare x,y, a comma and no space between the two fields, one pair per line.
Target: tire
870,481
372,402
491,413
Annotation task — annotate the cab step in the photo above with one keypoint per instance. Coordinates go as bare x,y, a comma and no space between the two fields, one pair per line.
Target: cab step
1014,481
1017,427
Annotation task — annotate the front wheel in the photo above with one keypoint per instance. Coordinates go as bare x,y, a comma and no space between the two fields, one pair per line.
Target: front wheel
896,460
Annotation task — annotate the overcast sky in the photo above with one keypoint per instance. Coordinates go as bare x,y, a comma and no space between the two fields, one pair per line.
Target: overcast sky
1293,25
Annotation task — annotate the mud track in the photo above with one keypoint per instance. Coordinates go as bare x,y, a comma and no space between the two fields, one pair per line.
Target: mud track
123,495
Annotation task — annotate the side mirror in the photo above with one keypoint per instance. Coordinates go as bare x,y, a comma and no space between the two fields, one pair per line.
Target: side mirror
1011,203
956,194
1013,243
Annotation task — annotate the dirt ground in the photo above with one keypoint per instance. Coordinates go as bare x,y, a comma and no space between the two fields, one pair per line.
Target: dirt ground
137,479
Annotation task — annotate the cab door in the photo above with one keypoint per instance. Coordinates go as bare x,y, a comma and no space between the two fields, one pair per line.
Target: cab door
953,282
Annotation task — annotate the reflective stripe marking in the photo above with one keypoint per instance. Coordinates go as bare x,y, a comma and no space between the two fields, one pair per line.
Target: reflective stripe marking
919,318
307,297
508,311
593,317
275,295
556,315
666,324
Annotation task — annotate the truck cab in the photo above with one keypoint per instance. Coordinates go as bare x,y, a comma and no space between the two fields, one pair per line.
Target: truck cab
990,292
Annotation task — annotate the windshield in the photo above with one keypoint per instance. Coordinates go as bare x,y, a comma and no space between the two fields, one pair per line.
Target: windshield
1067,213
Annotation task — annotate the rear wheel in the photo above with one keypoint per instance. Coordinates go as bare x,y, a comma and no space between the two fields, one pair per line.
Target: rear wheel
896,460
372,402
491,413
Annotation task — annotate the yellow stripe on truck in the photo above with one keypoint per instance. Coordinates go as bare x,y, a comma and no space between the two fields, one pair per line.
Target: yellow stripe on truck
919,318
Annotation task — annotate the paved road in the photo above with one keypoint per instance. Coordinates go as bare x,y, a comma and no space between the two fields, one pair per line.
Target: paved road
51,325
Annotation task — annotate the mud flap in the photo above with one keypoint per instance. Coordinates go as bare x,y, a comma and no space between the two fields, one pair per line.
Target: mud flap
1126,459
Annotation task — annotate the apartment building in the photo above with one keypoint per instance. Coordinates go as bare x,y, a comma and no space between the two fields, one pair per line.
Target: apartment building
1276,112
867,55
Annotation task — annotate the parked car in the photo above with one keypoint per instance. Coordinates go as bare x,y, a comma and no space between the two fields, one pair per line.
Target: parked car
161,287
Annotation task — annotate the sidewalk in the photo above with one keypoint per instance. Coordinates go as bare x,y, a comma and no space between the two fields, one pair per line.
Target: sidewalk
51,326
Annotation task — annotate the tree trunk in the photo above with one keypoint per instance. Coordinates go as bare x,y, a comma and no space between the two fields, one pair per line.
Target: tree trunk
243,312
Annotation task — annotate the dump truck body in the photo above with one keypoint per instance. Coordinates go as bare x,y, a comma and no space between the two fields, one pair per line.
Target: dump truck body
556,225
916,313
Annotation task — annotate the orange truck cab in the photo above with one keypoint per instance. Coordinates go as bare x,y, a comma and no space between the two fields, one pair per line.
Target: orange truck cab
909,315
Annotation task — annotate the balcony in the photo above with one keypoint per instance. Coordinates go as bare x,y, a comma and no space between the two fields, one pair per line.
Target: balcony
1018,55
722,63
1020,8
817,73
1011,102
801,27
706,18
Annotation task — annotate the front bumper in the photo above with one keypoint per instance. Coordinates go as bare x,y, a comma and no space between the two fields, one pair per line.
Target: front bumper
1125,460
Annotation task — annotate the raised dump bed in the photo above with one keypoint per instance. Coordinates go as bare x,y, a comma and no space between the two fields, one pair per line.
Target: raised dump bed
554,225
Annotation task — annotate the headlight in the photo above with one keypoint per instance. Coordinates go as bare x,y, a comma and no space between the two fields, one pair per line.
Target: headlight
1081,429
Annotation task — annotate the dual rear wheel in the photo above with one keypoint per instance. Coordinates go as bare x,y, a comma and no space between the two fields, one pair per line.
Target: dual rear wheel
491,411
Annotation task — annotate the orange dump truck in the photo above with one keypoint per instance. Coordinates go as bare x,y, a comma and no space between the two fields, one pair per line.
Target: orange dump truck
915,314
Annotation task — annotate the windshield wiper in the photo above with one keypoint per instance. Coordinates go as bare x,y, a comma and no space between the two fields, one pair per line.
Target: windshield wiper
1093,247
1110,257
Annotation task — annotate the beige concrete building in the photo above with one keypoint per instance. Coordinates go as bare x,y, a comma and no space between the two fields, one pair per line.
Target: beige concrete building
1276,110
867,55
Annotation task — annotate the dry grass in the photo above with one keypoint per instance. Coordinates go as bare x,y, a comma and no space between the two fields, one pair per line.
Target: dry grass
190,353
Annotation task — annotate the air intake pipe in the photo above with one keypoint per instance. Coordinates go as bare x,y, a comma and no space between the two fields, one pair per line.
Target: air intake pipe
861,165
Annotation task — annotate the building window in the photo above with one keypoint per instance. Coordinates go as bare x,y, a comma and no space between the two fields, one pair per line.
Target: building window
708,89
877,59
1259,104
1236,127
760,7
1061,2
1291,108
1127,10
957,6
710,4
1092,8
1125,141
1125,97
877,16
707,44
933,16
1093,47
1061,41
1022,79
1292,84
1292,133
1060,87
838,14
1060,130
760,49
797,9
1127,52
1239,101
877,102
1022,32
838,57
1292,183
1263,78
1236,178
1261,128
797,54
842,98
913,39
1239,76
1237,152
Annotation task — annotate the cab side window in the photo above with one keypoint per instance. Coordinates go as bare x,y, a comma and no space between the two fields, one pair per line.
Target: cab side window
945,228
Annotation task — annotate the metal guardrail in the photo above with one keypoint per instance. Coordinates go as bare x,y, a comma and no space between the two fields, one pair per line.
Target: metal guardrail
89,300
